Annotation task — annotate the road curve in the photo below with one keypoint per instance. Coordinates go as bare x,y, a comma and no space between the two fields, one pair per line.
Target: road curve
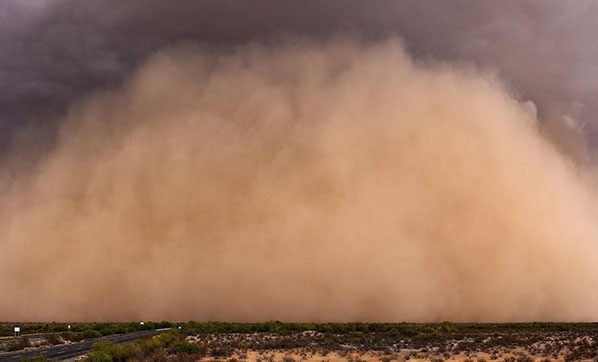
67,351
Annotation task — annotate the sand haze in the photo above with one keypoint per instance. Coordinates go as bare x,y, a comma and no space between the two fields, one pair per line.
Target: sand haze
307,181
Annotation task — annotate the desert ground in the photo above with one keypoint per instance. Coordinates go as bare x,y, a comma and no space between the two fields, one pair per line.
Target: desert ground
521,346
334,342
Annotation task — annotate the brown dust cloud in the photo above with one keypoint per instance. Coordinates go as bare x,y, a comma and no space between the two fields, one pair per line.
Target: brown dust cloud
307,181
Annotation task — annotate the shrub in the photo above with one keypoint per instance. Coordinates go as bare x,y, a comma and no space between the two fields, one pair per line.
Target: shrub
57,327
100,356
116,352
22,343
90,333
53,339
169,339
221,352
186,347
70,336
149,345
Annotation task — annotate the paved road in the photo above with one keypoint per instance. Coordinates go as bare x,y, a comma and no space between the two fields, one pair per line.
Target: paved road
76,349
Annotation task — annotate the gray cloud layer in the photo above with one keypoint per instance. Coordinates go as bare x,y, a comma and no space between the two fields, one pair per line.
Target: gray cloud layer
56,51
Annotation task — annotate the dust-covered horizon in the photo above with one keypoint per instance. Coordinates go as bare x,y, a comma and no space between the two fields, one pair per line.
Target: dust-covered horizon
308,181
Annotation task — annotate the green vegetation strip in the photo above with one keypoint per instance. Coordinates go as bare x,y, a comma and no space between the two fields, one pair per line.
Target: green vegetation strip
90,330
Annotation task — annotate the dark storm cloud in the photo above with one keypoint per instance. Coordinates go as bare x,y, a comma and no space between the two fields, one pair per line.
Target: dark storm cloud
56,51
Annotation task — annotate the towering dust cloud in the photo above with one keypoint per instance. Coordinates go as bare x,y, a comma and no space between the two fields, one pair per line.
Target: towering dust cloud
334,181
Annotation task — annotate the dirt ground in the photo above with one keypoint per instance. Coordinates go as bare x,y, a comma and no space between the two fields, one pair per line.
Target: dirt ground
314,347
516,355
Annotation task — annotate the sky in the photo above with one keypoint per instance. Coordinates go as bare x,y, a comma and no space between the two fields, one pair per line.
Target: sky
55,52
331,160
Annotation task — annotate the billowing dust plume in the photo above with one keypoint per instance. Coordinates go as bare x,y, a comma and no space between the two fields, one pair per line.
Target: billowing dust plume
307,182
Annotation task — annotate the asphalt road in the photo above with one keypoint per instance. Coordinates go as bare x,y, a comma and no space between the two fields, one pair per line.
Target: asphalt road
67,351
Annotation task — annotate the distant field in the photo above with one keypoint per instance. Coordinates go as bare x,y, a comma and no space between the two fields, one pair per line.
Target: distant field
406,329
88,330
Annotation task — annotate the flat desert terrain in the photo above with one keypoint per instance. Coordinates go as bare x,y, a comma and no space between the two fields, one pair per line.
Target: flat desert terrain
471,346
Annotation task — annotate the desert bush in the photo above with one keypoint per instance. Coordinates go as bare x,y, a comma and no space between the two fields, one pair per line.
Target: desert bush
149,345
53,339
99,356
186,347
70,336
116,352
169,339
20,344
56,327
91,333
221,352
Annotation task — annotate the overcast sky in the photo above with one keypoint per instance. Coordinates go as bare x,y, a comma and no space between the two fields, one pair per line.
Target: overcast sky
54,52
